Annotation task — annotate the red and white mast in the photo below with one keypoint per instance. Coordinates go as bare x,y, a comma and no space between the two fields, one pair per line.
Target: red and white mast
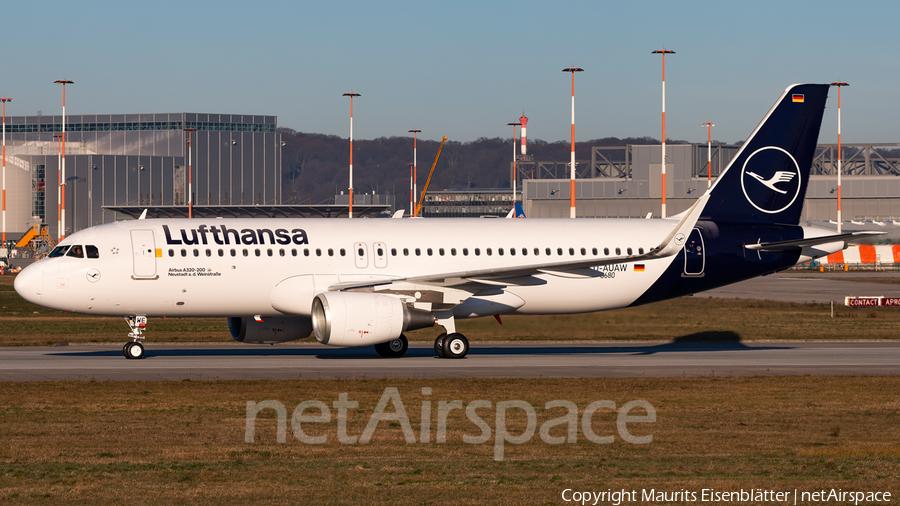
709,154
351,95
572,158
60,233
4,100
414,176
839,84
190,132
664,52
514,124
523,121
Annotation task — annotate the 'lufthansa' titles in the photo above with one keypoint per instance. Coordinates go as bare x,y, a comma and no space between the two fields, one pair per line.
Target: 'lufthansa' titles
223,235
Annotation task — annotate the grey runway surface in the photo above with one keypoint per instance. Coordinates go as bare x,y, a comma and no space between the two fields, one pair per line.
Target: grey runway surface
519,360
805,286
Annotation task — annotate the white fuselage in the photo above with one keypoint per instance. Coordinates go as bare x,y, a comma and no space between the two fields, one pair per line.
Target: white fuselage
227,267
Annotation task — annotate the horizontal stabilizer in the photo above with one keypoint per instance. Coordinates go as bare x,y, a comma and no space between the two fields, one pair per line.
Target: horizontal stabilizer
813,241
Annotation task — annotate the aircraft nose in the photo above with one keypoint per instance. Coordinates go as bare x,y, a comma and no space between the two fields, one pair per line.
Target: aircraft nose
28,284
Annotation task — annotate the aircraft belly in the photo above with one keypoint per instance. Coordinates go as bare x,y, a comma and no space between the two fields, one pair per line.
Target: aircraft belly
614,287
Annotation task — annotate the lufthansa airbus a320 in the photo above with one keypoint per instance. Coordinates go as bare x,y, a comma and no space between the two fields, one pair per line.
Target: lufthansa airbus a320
365,282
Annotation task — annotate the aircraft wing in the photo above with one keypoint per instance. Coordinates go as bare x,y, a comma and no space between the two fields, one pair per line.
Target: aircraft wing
813,241
671,245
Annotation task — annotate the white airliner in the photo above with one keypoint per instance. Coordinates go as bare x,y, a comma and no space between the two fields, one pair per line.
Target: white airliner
364,282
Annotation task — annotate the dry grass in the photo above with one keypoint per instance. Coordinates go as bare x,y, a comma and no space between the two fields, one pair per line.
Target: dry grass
153,443
22,323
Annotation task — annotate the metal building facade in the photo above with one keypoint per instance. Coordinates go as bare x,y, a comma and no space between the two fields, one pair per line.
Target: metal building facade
137,159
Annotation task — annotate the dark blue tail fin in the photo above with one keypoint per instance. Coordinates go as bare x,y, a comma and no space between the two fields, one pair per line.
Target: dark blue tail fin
766,181
519,212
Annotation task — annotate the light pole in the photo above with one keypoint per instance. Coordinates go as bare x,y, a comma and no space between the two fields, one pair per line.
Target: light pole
190,132
62,171
351,95
514,124
709,154
664,52
411,204
572,70
59,152
415,173
4,100
839,84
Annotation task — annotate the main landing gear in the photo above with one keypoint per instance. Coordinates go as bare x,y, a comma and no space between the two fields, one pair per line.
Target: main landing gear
453,345
134,349
393,348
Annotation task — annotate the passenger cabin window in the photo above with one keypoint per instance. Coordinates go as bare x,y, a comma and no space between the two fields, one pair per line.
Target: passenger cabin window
58,251
76,251
92,251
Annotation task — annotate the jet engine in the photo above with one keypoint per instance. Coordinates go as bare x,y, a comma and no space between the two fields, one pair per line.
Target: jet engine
268,330
360,319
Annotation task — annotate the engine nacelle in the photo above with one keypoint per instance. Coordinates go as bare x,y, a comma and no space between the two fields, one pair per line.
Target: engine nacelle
269,330
361,319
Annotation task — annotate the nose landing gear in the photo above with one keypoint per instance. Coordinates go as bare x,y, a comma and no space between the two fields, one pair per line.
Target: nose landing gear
134,349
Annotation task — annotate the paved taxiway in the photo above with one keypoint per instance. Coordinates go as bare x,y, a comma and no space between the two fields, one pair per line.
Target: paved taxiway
528,360
488,359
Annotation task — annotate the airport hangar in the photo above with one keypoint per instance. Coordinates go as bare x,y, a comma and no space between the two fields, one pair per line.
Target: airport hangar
117,165
625,182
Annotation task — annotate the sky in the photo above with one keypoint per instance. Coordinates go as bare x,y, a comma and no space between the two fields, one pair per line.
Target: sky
461,69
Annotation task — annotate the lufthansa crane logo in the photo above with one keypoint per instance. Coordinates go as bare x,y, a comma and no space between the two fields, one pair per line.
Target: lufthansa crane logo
771,179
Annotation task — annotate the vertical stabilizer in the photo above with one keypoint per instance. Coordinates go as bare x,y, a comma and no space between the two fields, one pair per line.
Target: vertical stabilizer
766,181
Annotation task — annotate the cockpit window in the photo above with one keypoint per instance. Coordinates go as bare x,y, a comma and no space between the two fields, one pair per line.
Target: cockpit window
58,251
76,251
92,251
